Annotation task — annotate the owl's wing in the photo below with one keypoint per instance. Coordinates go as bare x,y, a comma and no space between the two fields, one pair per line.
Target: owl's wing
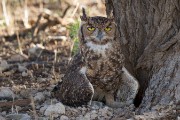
75,89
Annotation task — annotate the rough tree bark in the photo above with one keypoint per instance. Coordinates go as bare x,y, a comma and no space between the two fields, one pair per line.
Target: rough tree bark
150,33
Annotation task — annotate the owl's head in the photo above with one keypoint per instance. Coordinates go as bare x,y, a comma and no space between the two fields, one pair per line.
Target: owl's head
97,30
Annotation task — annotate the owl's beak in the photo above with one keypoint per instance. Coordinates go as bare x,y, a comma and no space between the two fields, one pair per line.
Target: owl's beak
100,35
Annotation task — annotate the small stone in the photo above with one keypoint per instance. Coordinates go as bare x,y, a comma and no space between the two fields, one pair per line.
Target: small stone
18,57
18,108
94,115
109,113
42,109
25,93
5,92
3,113
87,116
18,116
36,49
55,110
96,105
41,79
84,109
3,65
80,117
24,74
103,112
21,68
47,93
39,97
63,117
2,118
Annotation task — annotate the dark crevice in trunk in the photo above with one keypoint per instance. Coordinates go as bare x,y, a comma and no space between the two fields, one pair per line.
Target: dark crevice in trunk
143,77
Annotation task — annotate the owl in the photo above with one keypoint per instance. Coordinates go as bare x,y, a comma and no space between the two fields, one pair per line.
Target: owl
97,71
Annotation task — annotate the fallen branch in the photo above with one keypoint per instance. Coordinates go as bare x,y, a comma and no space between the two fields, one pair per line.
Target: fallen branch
9,104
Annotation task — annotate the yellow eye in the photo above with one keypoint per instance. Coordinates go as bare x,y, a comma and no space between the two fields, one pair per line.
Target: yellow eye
91,28
108,29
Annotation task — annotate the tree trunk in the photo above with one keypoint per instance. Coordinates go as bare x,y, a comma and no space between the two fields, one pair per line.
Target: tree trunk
150,33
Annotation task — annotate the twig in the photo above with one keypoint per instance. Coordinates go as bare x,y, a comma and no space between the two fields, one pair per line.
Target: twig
19,43
65,11
75,10
5,13
35,29
33,108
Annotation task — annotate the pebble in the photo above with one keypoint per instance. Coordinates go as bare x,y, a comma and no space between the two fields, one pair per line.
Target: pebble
2,118
178,118
39,97
18,117
3,113
87,116
3,65
42,109
63,117
18,57
104,112
24,74
5,92
21,68
55,110
94,115
96,105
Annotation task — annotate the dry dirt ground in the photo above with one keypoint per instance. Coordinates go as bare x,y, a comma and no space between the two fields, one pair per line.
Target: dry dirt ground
34,56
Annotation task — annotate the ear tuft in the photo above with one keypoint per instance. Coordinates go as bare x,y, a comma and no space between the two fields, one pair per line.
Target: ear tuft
84,16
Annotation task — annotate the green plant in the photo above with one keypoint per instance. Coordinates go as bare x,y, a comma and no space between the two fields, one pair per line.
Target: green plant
73,30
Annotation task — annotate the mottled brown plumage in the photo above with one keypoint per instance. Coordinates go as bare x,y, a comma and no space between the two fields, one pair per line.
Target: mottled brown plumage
97,70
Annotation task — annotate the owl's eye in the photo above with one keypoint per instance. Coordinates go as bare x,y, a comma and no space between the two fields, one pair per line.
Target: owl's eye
108,29
91,28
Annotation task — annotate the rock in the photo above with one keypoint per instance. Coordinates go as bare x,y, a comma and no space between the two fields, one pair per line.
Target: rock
80,117
42,109
3,65
94,115
87,116
105,113
39,97
96,105
63,117
21,68
47,93
55,110
24,74
178,118
36,49
42,79
18,117
5,93
84,110
3,113
2,118
26,93
18,57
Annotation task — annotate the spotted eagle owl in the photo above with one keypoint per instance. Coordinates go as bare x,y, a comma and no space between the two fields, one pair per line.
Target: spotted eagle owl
96,72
